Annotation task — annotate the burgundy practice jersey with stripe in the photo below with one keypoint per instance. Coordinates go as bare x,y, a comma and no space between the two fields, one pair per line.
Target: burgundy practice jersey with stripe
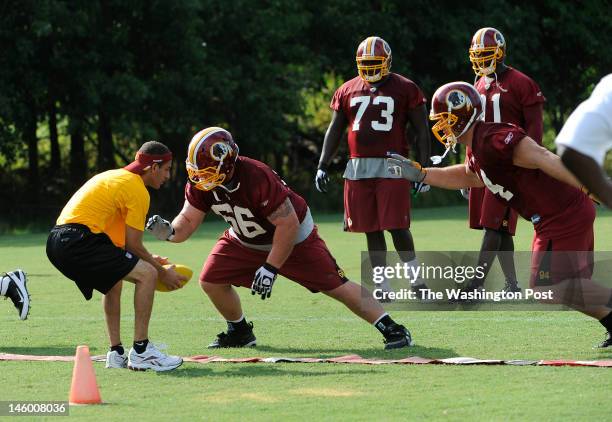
377,115
505,99
260,193
555,208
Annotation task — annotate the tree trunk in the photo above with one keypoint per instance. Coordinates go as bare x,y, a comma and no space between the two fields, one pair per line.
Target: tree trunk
31,141
56,159
78,164
106,150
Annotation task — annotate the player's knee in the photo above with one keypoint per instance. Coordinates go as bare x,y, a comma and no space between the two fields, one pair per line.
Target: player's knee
146,273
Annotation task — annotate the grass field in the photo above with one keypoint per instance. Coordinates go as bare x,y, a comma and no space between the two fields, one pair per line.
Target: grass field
297,323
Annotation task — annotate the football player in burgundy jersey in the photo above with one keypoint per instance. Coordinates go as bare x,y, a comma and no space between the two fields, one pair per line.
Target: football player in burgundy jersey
508,96
534,182
271,232
376,106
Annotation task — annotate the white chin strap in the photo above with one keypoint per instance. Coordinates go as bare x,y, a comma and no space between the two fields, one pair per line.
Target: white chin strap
230,190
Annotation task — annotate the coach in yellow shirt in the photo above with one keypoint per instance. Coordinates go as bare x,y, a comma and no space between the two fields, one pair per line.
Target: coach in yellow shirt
97,243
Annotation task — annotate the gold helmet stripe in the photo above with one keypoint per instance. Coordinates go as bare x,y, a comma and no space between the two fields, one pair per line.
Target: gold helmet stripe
197,140
369,48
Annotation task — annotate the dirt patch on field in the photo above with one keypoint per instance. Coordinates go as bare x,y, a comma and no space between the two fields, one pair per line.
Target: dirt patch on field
325,392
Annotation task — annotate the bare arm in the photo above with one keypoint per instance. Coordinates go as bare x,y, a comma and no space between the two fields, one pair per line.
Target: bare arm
529,154
418,121
589,173
187,222
133,243
286,222
452,177
332,139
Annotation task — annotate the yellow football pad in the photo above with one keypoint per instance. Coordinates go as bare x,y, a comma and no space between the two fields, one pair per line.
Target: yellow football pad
180,269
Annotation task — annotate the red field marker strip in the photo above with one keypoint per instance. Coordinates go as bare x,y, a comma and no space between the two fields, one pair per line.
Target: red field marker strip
347,359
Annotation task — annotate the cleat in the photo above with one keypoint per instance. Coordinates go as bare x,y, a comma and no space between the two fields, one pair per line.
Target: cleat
235,338
152,358
511,287
472,286
13,286
421,291
606,343
397,336
115,360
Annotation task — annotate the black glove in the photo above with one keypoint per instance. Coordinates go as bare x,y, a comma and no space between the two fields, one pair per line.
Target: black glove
321,180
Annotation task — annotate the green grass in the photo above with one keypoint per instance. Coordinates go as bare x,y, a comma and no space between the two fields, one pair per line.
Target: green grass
297,323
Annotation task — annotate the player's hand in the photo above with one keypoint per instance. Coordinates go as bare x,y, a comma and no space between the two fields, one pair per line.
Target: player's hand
408,169
171,278
264,280
321,180
465,192
161,260
161,228
420,187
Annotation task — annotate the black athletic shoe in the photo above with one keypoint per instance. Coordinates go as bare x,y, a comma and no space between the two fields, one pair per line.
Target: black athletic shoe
511,287
233,338
607,342
397,336
472,286
13,286
421,291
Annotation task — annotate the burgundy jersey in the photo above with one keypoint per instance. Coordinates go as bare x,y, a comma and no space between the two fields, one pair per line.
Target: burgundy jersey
377,116
555,208
261,192
506,99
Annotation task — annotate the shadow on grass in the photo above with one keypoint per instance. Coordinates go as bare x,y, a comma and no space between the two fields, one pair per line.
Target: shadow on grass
424,352
249,370
44,350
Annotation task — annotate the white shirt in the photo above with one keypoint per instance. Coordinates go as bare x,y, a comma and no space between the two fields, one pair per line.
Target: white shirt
588,129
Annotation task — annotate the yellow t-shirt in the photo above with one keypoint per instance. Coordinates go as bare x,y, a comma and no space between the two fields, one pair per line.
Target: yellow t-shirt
107,202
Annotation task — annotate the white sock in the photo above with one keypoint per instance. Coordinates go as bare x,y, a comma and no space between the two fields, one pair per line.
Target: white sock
238,320
414,264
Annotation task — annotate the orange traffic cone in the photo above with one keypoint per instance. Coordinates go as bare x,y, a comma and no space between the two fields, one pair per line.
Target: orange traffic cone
84,389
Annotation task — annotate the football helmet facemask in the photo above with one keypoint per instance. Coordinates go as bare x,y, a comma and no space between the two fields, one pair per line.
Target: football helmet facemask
373,59
211,158
488,48
454,107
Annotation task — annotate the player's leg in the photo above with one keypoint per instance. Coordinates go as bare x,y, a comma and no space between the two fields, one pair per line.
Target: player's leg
404,245
506,261
361,216
13,285
221,270
312,266
361,302
144,354
111,302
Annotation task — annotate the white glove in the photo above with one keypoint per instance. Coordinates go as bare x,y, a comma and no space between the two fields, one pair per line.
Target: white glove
408,169
161,229
321,180
465,192
264,280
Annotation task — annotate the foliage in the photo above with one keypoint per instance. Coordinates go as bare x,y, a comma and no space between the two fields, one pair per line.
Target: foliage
108,75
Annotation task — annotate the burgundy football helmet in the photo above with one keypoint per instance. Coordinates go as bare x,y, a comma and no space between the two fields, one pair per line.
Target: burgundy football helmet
373,59
211,158
454,107
488,48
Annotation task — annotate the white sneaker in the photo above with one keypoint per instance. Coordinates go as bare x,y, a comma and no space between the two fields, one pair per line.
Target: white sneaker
115,360
13,286
153,359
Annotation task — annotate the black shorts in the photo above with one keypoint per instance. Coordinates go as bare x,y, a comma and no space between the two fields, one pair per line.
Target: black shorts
91,260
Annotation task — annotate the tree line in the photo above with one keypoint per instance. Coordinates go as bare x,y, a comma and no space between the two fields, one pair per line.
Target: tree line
84,83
